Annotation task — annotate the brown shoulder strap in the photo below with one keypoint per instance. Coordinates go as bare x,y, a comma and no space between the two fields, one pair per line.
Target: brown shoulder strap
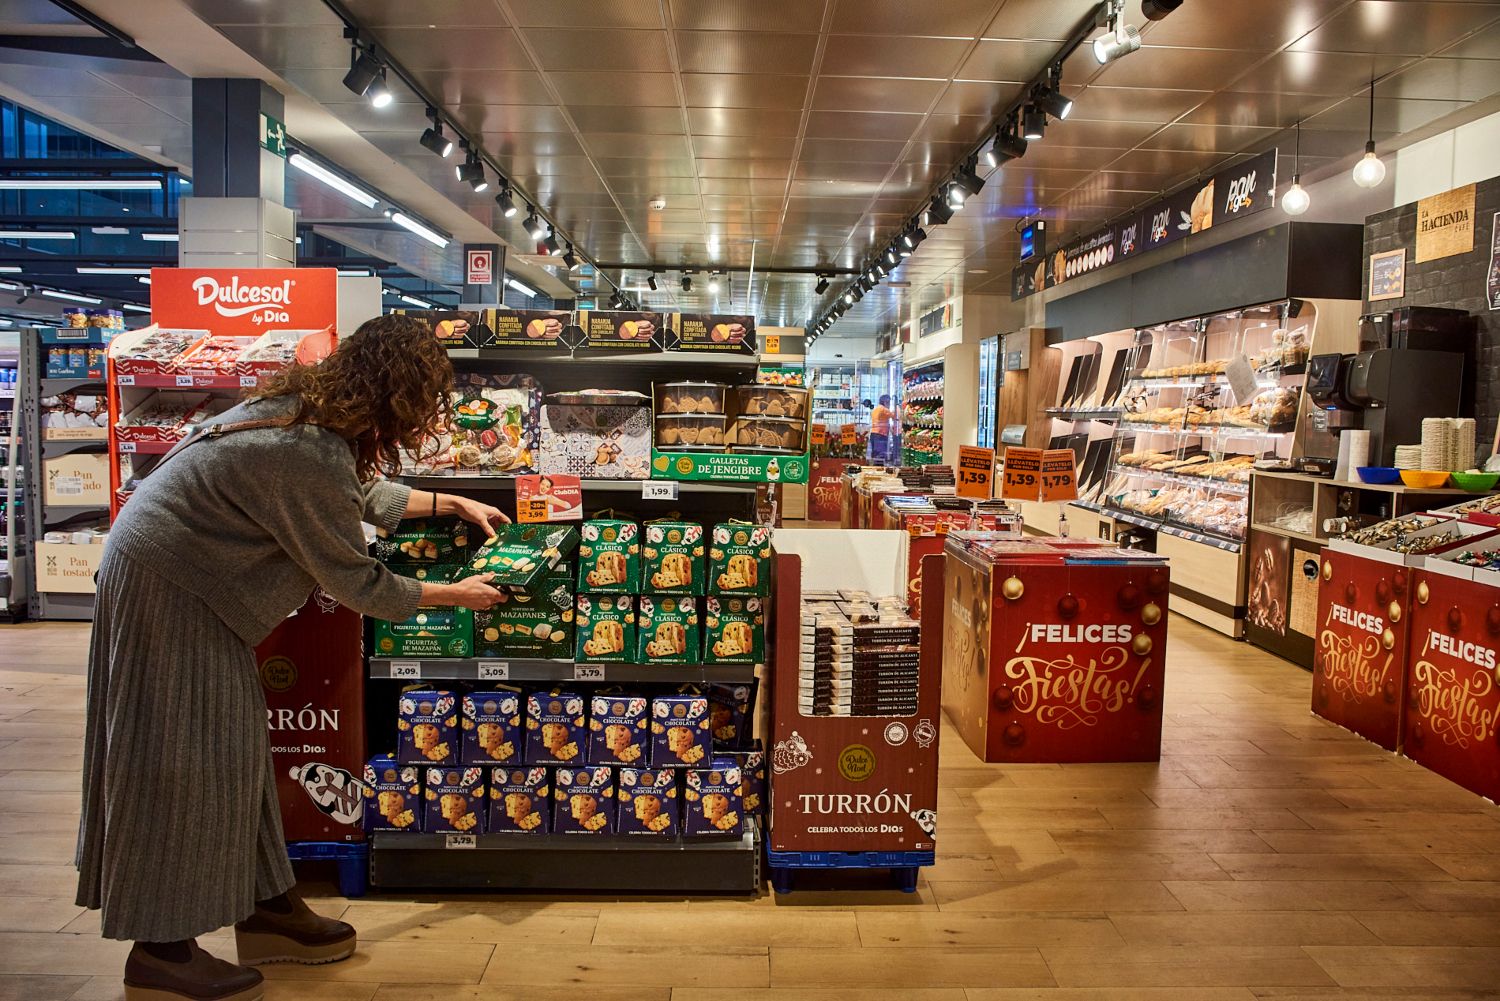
218,430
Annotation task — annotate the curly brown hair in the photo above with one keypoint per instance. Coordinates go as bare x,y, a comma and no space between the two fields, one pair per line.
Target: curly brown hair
384,389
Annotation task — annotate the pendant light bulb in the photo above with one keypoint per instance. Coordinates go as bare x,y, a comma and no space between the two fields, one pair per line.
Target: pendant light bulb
1370,170
1296,199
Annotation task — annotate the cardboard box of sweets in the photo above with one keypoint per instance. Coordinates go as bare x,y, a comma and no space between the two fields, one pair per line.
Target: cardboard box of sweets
585,800
730,710
455,800
492,728
752,777
714,799
609,556
619,729
521,556
606,628
427,727
434,631
648,802
672,558
393,795
680,735
734,630
534,624
424,540
667,630
520,801
556,729
739,559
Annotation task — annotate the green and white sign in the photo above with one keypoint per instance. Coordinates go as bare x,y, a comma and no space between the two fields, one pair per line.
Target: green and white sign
273,135
729,468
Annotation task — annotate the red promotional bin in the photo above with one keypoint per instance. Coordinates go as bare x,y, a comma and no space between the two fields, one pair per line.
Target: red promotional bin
1054,650
1359,658
825,486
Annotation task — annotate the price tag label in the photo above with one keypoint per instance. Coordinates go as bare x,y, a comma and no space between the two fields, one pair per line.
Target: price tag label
249,381
408,669
185,380
531,509
819,435
67,486
1059,475
588,672
124,380
976,472
1023,474
494,670
659,490
1241,376
773,344
127,446
461,841
849,434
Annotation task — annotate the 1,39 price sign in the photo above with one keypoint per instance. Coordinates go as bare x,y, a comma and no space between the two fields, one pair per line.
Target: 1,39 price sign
1023,474
1059,475
976,472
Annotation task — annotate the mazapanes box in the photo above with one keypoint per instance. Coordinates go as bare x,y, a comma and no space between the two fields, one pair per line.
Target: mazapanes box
556,730
667,630
520,801
672,558
393,795
521,556
424,540
455,800
648,802
606,627
680,736
620,730
533,624
714,798
432,631
739,560
427,722
492,728
585,800
734,630
609,556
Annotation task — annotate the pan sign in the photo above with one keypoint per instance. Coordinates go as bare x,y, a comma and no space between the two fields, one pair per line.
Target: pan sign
481,267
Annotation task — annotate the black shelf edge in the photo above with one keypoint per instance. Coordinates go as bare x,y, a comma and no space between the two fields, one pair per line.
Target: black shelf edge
564,843
532,669
699,358
428,482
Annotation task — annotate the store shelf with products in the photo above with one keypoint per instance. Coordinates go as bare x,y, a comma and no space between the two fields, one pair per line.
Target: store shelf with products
512,669
15,547
922,406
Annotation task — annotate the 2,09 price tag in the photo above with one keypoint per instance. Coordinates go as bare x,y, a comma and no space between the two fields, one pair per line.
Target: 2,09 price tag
1023,474
409,669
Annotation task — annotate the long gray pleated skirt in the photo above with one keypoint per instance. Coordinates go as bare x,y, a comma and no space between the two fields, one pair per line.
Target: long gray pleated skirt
181,831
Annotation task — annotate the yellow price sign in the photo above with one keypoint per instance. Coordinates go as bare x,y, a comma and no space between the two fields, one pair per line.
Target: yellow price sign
819,434
1023,473
773,344
976,472
849,434
1059,475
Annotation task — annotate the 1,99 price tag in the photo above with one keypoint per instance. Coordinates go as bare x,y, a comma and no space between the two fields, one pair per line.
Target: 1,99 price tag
409,669
1023,474
659,490
1059,476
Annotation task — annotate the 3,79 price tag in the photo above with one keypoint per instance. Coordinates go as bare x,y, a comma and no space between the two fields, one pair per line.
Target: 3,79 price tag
588,672
461,841
976,472
494,670
1023,472
409,669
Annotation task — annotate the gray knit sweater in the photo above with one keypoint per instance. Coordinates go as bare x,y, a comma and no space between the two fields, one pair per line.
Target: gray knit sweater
250,522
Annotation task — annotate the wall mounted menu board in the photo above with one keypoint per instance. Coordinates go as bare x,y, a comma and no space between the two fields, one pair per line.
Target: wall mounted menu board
623,331
529,328
714,332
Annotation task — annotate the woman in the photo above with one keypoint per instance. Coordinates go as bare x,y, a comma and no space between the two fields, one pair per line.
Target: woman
181,832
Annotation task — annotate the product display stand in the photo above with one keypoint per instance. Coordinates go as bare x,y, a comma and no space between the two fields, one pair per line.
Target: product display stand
922,412
15,555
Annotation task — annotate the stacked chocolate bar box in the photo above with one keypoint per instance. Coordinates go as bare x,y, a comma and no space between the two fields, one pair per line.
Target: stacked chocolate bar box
859,656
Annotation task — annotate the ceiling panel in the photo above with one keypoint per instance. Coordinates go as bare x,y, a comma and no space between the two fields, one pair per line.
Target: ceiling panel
731,90
1039,19
734,15
1152,66
753,147
1258,27
745,52
861,125
1005,61
891,55
1134,104
403,13
1332,74
570,13
898,17
1389,26
481,86
1444,80
859,93
1259,110
589,48
600,87
649,120
743,122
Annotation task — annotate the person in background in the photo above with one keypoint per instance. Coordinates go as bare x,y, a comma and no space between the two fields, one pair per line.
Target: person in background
880,430
181,828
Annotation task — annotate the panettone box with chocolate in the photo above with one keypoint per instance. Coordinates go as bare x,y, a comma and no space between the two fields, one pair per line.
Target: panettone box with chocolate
584,800
521,557
739,559
427,727
556,729
680,736
667,630
455,800
606,628
393,795
424,540
534,624
520,801
648,802
730,709
752,766
672,558
619,727
609,556
734,630
714,799
493,731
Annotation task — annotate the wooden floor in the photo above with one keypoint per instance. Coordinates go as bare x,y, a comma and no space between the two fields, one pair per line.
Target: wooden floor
1268,855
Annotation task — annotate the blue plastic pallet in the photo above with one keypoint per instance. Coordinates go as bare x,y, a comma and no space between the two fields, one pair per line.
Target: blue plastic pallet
353,860
904,866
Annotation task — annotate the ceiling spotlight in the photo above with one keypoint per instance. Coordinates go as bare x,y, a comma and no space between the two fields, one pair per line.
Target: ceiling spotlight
880,271
891,257
849,296
939,211
554,249
379,94
713,281
1033,123
956,197
822,285
651,282
1008,145
687,283
968,177
1370,171
1053,102
1155,10
1121,40
534,226
472,172
364,70
434,140
507,202
857,292
571,259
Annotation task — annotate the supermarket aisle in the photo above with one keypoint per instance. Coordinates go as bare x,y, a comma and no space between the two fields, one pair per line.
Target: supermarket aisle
1268,855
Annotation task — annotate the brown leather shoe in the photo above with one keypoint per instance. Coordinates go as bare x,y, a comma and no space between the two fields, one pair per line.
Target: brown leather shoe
201,978
303,936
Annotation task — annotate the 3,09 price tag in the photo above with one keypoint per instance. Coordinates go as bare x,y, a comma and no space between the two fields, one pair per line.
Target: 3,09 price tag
1023,474
976,472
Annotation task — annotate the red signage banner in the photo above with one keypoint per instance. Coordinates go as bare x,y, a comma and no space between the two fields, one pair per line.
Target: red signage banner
244,301
1359,660
554,497
824,487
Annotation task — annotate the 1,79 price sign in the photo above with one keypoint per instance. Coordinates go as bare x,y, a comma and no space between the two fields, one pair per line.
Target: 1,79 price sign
976,472
1059,477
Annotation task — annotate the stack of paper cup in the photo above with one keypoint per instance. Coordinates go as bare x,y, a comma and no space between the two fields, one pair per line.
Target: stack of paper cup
1408,457
1354,452
1463,457
1438,443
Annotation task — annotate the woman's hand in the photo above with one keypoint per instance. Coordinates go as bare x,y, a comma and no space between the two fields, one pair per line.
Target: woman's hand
474,512
472,592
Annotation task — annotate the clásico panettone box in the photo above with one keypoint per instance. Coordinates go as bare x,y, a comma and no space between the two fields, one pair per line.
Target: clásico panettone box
393,795
739,559
672,558
520,801
493,729
667,629
648,802
734,630
606,627
609,556
427,727
584,800
455,800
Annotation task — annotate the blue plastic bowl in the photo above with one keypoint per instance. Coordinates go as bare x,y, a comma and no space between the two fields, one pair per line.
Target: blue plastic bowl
1379,474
